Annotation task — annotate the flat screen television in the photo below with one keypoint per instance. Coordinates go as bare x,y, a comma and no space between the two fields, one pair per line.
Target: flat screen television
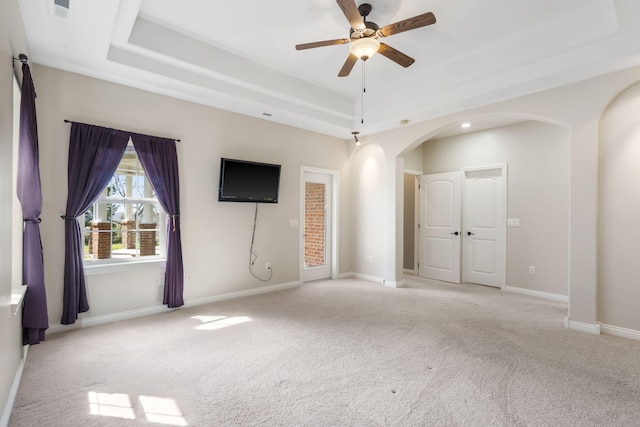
245,181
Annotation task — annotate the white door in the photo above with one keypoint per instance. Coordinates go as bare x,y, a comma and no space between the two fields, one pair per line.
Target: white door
316,226
484,233
440,226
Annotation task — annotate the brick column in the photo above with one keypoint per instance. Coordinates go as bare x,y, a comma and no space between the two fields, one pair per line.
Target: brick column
100,241
129,234
147,239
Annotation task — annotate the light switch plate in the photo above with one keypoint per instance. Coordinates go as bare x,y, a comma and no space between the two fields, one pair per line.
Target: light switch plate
513,222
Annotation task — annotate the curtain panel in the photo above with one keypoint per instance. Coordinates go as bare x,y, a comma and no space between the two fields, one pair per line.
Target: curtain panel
35,320
94,155
159,159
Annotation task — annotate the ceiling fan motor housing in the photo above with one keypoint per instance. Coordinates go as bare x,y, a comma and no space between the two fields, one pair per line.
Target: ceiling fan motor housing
371,27
370,31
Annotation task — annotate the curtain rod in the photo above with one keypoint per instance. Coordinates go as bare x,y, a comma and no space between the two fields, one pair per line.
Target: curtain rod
134,133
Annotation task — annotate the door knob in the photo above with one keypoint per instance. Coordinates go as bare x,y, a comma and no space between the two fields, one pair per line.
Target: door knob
470,233
455,233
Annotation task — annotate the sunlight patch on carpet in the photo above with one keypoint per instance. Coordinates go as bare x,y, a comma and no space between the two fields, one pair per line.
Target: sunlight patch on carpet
211,323
158,410
162,410
111,405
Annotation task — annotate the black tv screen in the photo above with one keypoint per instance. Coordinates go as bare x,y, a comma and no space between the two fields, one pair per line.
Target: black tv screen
245,181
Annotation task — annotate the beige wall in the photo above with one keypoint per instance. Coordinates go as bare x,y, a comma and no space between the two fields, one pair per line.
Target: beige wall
537,158
216,236
619,204
12,42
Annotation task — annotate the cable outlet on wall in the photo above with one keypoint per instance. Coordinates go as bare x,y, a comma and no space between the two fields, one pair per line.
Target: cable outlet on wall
532,270
267,266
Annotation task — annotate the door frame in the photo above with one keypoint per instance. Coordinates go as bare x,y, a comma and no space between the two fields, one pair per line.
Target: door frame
416,218
333,248
505,180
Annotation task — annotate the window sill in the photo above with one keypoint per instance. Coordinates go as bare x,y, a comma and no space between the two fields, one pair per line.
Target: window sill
92,269
17,296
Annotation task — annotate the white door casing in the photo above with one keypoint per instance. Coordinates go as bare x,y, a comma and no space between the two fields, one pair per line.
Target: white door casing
440,212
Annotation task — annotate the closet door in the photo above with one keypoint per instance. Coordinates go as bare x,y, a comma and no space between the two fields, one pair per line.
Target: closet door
440,210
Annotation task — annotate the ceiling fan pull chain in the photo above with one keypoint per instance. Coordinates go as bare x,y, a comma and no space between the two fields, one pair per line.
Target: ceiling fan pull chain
364,90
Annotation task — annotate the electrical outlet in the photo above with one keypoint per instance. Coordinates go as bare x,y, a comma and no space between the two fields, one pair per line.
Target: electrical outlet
370,259
532,270
267,266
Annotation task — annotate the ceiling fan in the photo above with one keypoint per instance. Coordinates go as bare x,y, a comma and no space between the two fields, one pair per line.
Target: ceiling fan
364,36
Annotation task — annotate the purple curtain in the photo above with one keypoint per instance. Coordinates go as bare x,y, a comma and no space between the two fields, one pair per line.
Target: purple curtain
34,315
160,161
94,154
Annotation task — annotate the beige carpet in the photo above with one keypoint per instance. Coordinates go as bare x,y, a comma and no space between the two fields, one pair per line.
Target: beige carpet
337,353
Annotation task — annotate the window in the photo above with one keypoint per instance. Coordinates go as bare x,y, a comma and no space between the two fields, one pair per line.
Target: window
123,224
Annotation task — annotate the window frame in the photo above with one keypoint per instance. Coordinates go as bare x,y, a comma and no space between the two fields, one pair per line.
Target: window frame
112,265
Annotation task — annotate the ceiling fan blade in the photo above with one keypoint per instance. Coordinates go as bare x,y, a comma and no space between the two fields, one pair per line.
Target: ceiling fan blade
395,55
348,65
408,24
352,13
322,43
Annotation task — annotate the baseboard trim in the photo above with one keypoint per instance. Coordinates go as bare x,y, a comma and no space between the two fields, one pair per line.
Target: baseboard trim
13,392
394,283
411,272
375,279
591,328
620,331
539,294
148,311
242,294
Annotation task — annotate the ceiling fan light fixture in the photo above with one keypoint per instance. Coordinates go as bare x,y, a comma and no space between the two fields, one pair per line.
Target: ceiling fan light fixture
364,48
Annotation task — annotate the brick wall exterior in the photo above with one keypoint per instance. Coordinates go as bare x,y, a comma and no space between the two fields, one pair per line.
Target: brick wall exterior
129,234
314,223
100,242
147,239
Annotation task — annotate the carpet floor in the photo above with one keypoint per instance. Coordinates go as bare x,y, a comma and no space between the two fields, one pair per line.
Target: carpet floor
337,353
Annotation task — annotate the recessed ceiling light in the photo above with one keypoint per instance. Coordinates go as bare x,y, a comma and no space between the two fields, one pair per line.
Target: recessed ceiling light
466,125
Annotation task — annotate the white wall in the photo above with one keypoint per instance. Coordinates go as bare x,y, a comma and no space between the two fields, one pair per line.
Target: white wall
619,234
368,174
216,236
537,157
12,42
